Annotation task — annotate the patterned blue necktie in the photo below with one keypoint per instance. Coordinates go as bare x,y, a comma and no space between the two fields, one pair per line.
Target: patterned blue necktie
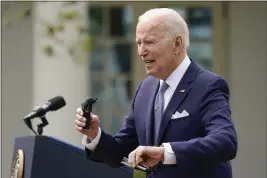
158,110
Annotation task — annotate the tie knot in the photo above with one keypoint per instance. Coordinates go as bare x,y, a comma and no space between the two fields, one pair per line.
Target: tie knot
164,87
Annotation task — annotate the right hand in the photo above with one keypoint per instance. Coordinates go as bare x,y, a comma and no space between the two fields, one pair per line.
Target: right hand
80,123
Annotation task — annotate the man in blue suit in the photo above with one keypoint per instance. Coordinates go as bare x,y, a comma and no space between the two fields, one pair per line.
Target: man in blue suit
180,121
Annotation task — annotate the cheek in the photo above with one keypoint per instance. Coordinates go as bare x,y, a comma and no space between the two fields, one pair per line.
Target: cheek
138,50
163,50
168,53
156,52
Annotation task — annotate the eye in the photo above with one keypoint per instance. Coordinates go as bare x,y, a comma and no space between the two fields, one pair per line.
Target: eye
150,42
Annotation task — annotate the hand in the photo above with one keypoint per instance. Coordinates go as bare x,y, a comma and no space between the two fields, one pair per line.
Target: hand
146,155
80,123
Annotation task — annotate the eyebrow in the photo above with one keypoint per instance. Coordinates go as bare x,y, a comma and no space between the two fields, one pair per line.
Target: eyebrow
146,38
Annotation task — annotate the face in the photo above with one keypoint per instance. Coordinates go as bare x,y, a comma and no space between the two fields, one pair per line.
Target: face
156,50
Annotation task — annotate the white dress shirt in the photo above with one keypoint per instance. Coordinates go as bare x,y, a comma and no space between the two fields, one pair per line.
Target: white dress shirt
173,80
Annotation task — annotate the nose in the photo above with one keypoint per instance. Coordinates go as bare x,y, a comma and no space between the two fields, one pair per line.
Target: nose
142,51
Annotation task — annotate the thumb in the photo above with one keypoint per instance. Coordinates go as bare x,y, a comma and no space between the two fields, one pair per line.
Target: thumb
94,117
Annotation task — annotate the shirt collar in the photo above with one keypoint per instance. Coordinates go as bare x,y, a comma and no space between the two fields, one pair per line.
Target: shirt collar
174,79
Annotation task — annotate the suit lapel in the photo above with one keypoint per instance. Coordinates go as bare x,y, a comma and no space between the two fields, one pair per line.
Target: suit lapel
179,95
150,112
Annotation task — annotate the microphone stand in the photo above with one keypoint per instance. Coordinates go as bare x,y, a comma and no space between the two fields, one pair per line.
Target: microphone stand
39,126
42,125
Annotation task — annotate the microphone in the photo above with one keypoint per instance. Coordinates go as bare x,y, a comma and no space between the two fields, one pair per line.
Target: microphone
52,105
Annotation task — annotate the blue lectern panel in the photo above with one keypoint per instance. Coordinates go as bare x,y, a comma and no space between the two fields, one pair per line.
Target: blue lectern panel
48,157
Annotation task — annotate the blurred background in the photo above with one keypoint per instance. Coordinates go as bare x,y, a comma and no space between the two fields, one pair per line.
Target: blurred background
87,49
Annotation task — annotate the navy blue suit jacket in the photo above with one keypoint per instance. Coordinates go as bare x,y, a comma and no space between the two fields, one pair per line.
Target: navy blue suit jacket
203,142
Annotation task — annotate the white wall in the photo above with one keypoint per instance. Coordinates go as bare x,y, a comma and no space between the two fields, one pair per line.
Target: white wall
17,91
60,74
248,71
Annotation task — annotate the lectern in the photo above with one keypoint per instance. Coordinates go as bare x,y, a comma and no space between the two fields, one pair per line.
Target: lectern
48,157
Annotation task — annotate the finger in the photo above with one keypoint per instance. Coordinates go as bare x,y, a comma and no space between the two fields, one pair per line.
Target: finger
138,157
93,117
131,158
79,123
139,160
79,128
139,154
80,118
79,111
144,163
149,162
130,161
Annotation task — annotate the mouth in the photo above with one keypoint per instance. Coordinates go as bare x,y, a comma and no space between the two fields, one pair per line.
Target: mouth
149,62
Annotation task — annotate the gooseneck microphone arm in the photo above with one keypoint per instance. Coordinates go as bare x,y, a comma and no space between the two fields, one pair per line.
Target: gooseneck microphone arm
29,124
40,111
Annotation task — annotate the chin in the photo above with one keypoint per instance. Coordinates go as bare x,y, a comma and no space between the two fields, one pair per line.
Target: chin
150,72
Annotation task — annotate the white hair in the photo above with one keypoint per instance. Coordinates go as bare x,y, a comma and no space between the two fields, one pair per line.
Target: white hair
172,20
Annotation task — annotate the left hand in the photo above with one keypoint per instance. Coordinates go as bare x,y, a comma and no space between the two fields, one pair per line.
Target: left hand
146,155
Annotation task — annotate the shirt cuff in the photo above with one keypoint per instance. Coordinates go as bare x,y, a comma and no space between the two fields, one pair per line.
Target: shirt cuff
89,143
169,156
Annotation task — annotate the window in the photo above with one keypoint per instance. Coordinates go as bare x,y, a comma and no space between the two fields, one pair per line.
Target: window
110,63
200,31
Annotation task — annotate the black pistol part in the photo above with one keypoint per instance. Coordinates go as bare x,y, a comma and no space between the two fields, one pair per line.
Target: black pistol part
87,109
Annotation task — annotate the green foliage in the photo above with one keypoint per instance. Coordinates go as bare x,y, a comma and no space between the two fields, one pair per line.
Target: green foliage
52,29
49,50
71,15
25,13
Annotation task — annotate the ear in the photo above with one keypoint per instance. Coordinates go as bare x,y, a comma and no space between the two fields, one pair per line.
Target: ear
178,44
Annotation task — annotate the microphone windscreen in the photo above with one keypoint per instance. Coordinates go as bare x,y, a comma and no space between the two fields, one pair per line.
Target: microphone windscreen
56,103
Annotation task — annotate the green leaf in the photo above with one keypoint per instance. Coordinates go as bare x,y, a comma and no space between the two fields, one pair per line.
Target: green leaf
49,51
25,13
71,15
60,27
50,29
